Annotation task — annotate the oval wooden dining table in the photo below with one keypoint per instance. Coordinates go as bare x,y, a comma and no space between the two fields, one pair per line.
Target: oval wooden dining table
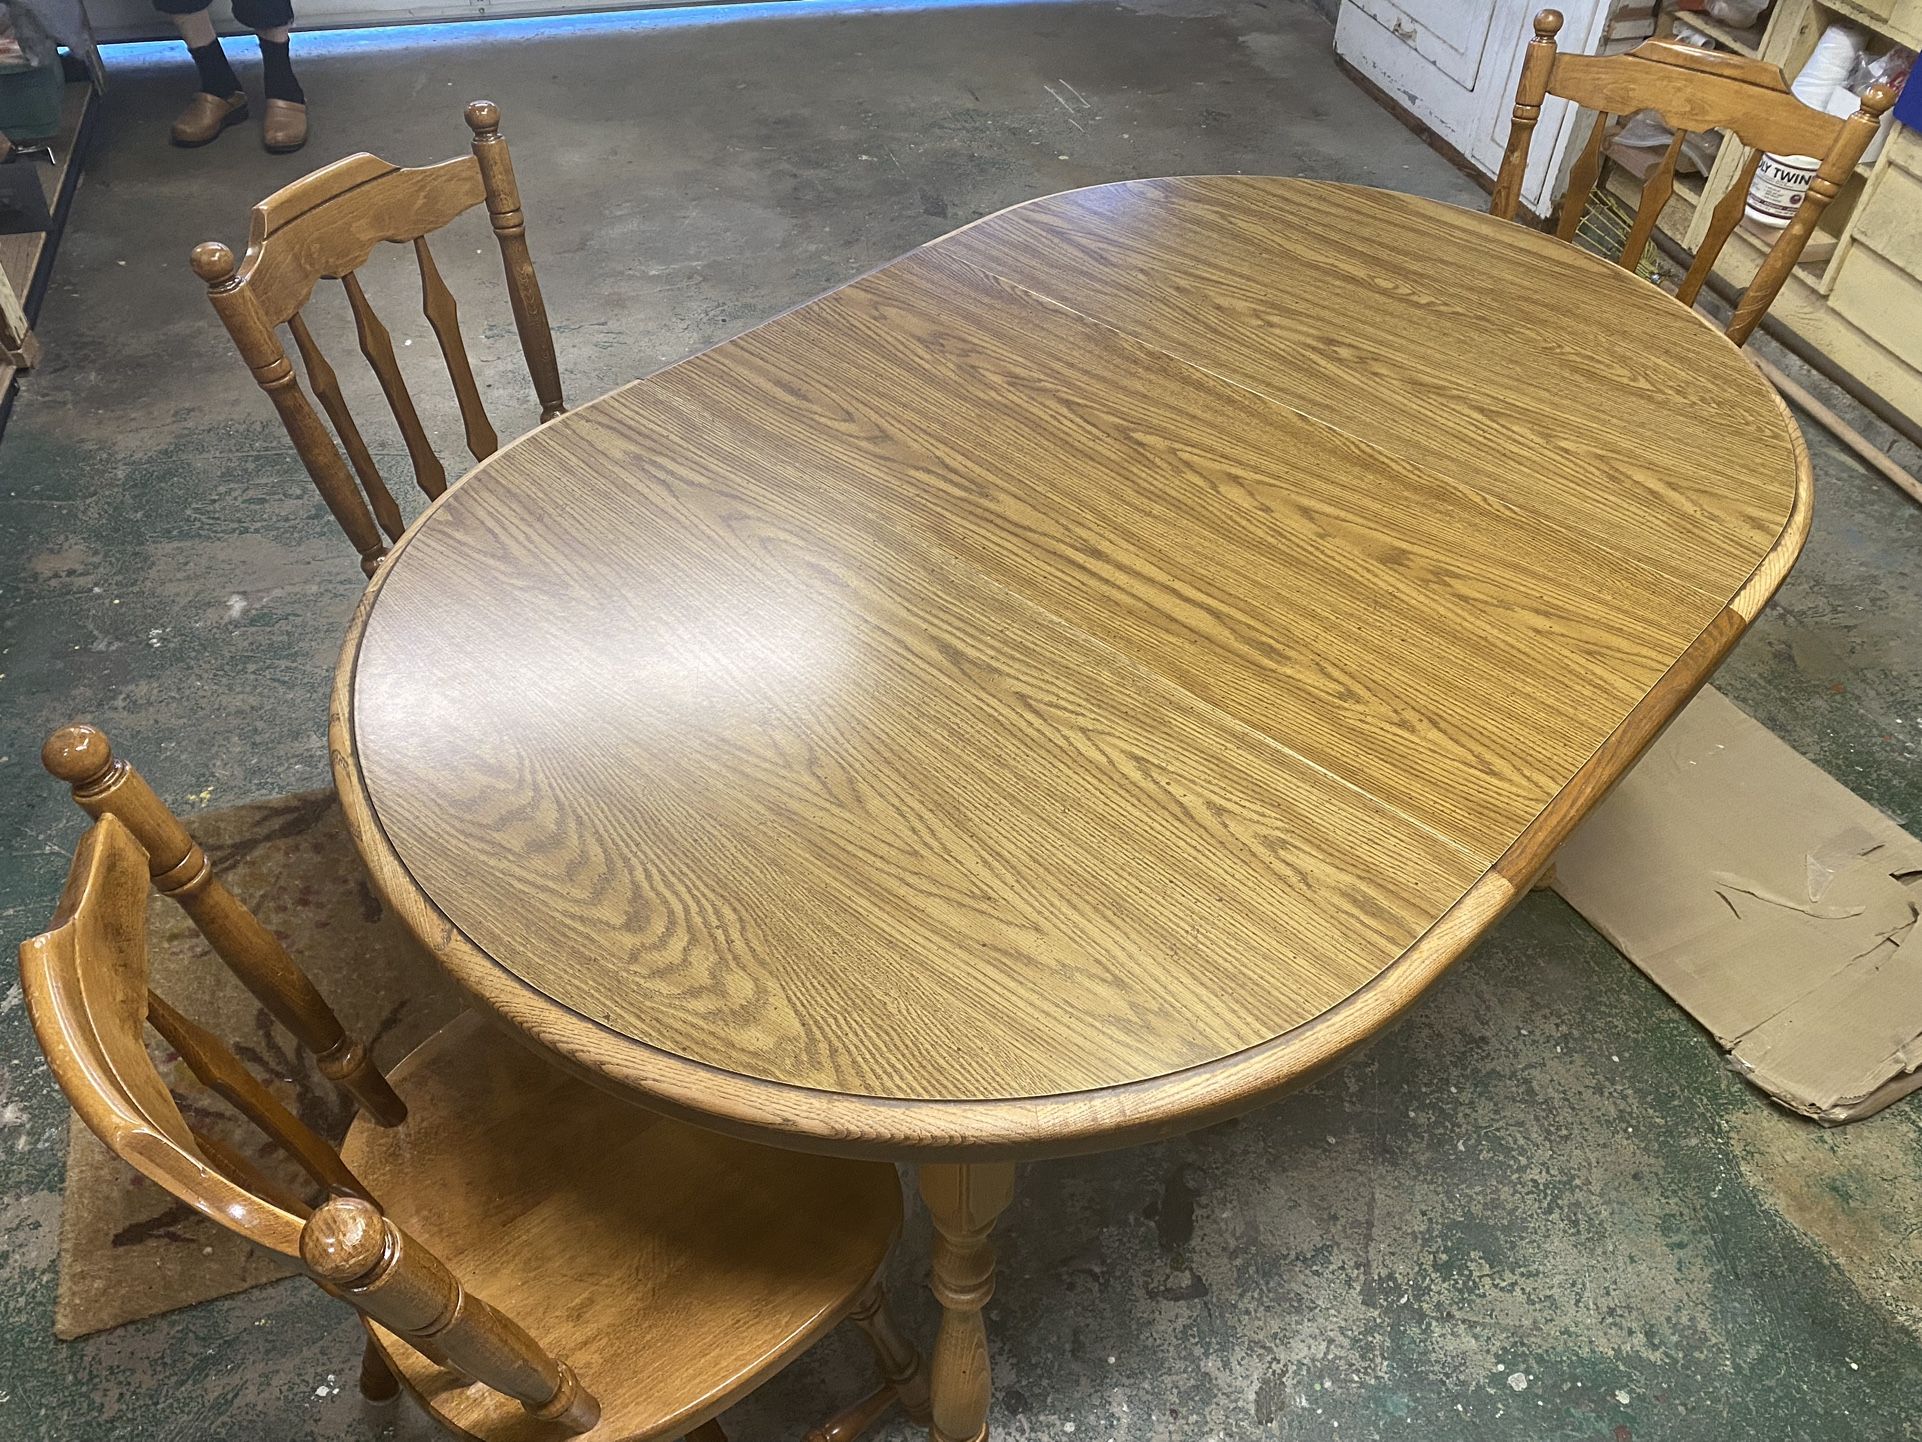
1069,684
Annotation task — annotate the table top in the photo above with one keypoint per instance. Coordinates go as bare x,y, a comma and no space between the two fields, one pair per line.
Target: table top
1078,679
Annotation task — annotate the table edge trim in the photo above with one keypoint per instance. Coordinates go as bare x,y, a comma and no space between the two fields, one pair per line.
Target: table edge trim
1065,1123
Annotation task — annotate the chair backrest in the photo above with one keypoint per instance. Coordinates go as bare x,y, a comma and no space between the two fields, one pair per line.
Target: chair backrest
85,982
1691,90
324,227
103,784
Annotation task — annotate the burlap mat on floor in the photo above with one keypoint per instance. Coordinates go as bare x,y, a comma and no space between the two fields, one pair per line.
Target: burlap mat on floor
127,1249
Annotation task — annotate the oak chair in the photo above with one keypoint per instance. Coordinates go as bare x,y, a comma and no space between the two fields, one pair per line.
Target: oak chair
661,1272
324,227
1691,90
103,785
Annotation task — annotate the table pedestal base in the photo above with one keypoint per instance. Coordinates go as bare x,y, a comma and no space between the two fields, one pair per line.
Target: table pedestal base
964,1199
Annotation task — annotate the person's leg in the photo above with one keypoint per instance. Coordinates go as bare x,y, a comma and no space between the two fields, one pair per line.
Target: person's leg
283,122
276,58
220,101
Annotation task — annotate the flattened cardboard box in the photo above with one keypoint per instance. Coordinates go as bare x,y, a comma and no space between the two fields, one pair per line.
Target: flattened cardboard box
1775,905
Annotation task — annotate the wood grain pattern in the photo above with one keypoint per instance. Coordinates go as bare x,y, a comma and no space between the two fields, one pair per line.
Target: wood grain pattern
861,841
1646,79
1165,680
1304,529
330,222
357,1252
601,1270
1424,331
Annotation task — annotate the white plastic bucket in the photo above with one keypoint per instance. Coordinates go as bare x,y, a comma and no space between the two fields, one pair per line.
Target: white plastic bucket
1780,186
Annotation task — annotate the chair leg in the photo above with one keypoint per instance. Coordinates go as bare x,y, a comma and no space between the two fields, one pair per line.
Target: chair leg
377,1380
901,1365
850,1422
904,1374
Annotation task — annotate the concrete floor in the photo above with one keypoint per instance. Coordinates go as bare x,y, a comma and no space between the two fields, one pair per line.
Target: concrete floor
1539,1209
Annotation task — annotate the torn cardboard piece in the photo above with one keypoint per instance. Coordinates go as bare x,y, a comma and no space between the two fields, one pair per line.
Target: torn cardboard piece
1777,907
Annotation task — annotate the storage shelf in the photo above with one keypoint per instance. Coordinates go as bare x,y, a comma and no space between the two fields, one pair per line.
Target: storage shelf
1903,28
26,256
1746,42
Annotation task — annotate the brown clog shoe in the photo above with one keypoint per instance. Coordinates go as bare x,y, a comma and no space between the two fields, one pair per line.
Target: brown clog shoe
206,116
283,126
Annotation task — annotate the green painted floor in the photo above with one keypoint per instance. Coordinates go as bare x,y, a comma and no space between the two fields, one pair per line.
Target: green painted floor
1542,1208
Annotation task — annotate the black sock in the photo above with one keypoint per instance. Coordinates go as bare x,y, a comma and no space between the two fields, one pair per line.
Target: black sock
216,75
279,67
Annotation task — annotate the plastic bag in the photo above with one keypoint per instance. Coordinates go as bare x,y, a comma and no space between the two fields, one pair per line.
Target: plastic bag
1739,13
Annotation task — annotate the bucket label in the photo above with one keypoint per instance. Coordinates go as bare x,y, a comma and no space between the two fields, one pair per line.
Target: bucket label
1781,185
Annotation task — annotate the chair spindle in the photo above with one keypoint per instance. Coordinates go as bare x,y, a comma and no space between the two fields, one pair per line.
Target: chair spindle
221,1072
1656,192
899,1363
82,757
437,304
510,229
1721,224
351,1247
1582,177
260,348
852,1421
377,1380
326,386
378,347
904,1374
1530,91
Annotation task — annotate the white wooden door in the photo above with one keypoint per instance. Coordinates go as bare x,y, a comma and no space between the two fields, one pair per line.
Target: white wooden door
1453,65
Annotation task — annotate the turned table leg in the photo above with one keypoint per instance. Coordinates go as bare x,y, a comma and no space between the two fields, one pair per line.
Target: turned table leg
964,1199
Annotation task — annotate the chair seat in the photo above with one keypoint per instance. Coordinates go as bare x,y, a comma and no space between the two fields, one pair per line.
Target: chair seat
674,1269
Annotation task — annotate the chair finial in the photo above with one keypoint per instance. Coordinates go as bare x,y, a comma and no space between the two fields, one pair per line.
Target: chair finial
484,119
1877,99
344,1240
213,262
1548,24
78,754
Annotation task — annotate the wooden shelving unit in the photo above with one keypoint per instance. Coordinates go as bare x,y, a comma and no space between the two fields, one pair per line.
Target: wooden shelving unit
1743,42
26,258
